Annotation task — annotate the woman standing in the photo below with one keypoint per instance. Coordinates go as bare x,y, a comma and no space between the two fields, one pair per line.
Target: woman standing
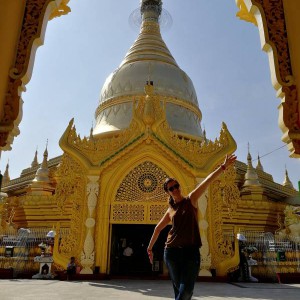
181,253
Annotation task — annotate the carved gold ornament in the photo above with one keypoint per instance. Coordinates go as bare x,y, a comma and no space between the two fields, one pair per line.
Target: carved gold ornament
61,10
276,44
140,196
143,183
70,192
30,32
224,196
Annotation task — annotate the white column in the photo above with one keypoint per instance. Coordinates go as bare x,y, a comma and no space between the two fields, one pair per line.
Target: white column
88,253
203,226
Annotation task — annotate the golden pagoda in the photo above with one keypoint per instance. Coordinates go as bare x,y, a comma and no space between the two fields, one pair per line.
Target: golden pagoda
105,191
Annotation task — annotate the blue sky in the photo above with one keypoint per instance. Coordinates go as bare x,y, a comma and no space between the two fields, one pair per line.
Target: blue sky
221,54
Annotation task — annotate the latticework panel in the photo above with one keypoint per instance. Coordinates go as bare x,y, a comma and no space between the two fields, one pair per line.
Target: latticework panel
143,213
128,213
143,183
156,212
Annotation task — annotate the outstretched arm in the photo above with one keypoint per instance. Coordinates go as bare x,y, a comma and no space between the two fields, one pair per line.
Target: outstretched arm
199,190
159,227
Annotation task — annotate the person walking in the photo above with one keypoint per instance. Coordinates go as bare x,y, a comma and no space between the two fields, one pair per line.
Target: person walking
181,253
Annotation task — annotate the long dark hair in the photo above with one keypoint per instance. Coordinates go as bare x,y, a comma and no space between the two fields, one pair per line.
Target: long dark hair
167,181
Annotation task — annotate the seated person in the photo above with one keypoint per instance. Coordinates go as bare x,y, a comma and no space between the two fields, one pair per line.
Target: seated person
71,268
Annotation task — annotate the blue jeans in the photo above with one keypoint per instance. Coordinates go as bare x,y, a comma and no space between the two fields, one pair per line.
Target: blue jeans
183,265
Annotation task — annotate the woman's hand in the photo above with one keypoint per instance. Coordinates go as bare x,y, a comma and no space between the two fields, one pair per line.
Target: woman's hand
150,255
229,160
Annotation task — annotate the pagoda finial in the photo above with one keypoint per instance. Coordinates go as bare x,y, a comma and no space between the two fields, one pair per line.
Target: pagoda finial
204,135
151,9
287,182
45,160
6,177
259,165
41,184
35,162
251,177
91,131
249,157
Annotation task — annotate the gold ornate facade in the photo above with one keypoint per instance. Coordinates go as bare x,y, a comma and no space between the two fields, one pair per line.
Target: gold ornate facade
126,188
115,175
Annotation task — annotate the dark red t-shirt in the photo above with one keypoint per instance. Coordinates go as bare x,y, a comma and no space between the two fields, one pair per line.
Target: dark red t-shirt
185,229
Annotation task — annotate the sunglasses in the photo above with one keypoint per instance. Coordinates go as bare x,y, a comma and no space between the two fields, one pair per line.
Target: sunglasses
173,187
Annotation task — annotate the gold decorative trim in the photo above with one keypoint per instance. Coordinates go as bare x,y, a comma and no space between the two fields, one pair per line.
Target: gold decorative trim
276,37
275,33
31,30
243,12
62,9
198,153
275,25
291,117
97,150
137,98
70,194
224,199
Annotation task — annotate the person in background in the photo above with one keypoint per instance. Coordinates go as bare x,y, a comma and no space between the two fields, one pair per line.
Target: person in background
128,251
128,259
71,268
181,253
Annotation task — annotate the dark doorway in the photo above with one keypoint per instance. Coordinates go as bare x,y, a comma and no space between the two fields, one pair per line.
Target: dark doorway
129,250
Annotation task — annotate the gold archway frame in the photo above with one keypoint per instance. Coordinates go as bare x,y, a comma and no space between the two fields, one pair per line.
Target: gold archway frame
143,211
269,16
33,27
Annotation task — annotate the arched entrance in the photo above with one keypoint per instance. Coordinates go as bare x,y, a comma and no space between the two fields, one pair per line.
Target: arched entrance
128,255
139,203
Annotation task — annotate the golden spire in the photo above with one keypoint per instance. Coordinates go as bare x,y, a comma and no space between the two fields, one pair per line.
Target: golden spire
251,178
35,162
91,133
6,177
41,183
259,166
42,173
287,182
204,136
149,44
45,160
